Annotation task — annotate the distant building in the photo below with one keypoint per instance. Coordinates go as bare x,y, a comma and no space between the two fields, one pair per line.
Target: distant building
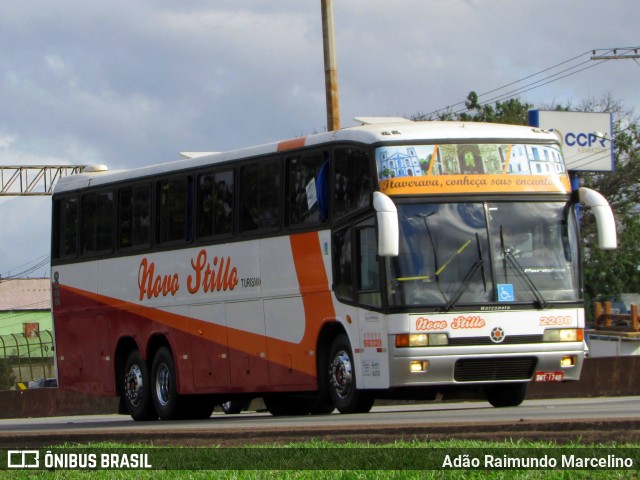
25,306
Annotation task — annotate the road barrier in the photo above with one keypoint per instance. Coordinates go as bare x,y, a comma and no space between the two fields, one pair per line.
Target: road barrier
24,358
605,319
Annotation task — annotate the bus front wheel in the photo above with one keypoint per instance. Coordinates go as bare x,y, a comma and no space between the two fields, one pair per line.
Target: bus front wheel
342,379
506,395
136,390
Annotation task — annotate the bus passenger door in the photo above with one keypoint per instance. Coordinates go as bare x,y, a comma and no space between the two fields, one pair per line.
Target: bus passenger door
372,327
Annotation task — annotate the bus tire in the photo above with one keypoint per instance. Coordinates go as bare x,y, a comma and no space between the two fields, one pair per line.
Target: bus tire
195,407
323,404
136,390
342,379
322,408
506,395
283,404
234,407
164,388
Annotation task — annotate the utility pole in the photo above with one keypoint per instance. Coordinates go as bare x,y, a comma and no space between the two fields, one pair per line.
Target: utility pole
330,66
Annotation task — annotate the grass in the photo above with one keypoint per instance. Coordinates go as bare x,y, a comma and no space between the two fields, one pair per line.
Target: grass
323,460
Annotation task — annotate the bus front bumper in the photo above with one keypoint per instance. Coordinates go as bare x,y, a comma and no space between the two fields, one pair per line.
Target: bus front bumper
422,368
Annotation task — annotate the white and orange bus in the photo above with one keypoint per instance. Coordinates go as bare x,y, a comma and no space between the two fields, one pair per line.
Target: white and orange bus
392,259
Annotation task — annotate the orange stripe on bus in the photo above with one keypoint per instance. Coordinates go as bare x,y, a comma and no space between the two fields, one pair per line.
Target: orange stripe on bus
291,144
246,342
313,282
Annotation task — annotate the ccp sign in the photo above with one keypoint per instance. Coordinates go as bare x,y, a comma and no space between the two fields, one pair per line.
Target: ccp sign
587,138
584,140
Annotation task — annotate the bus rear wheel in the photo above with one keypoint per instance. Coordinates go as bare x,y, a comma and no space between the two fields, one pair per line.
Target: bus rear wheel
506,395
164,389
342,379
136,390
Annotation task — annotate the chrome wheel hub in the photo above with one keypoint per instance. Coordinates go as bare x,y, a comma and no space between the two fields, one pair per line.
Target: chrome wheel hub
163,384
341,374
133,385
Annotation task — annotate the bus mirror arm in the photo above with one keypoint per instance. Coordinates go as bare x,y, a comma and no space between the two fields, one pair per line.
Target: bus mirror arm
388,229
607,238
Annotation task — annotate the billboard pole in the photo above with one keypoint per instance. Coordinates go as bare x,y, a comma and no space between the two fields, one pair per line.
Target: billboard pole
330,66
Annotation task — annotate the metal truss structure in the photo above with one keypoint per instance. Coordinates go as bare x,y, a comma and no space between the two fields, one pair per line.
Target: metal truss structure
33,180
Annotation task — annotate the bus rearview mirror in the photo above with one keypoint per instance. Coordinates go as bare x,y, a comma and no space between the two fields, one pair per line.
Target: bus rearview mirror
388,230
607,238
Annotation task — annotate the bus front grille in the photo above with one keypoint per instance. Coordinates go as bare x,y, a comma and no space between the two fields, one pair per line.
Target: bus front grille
494,369
486,340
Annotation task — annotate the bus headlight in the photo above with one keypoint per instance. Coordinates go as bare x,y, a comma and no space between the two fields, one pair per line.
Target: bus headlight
563,335
419,366
405,340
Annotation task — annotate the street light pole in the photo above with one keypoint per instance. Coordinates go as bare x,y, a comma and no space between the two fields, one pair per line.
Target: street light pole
330,66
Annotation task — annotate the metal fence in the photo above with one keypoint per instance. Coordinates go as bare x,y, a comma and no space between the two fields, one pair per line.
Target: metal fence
29,356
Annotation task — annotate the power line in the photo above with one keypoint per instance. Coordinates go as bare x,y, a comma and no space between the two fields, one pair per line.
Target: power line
42,261
537,84
515,82
558,75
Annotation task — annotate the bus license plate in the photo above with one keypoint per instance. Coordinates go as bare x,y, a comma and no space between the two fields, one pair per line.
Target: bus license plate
549,376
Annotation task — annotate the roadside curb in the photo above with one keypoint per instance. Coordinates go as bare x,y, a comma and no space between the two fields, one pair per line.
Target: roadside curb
601,377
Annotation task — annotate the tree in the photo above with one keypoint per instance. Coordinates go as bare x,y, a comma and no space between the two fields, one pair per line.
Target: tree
607,273
512,111
7,377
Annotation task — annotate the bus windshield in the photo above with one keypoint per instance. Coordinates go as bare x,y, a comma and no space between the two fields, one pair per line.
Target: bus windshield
480,253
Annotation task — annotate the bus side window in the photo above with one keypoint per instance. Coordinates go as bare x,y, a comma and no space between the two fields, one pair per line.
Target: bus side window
134,217
66,224
214,200
173,210
343,264
369,271
96,223
104,223
304,193
260,201
88,224
353,184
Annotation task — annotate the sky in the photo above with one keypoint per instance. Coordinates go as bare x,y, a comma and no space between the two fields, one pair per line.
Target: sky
133,83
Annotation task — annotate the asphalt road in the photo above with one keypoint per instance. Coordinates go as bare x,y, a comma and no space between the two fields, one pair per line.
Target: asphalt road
586,419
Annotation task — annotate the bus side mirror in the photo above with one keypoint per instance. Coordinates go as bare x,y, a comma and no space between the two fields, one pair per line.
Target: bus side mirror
607,238
388,229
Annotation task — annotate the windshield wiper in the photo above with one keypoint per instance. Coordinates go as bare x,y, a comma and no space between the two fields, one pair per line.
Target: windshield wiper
478,264
510,258
424,218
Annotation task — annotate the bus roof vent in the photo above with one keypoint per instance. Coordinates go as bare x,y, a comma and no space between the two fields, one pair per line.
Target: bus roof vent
378,120
95,169
195,154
